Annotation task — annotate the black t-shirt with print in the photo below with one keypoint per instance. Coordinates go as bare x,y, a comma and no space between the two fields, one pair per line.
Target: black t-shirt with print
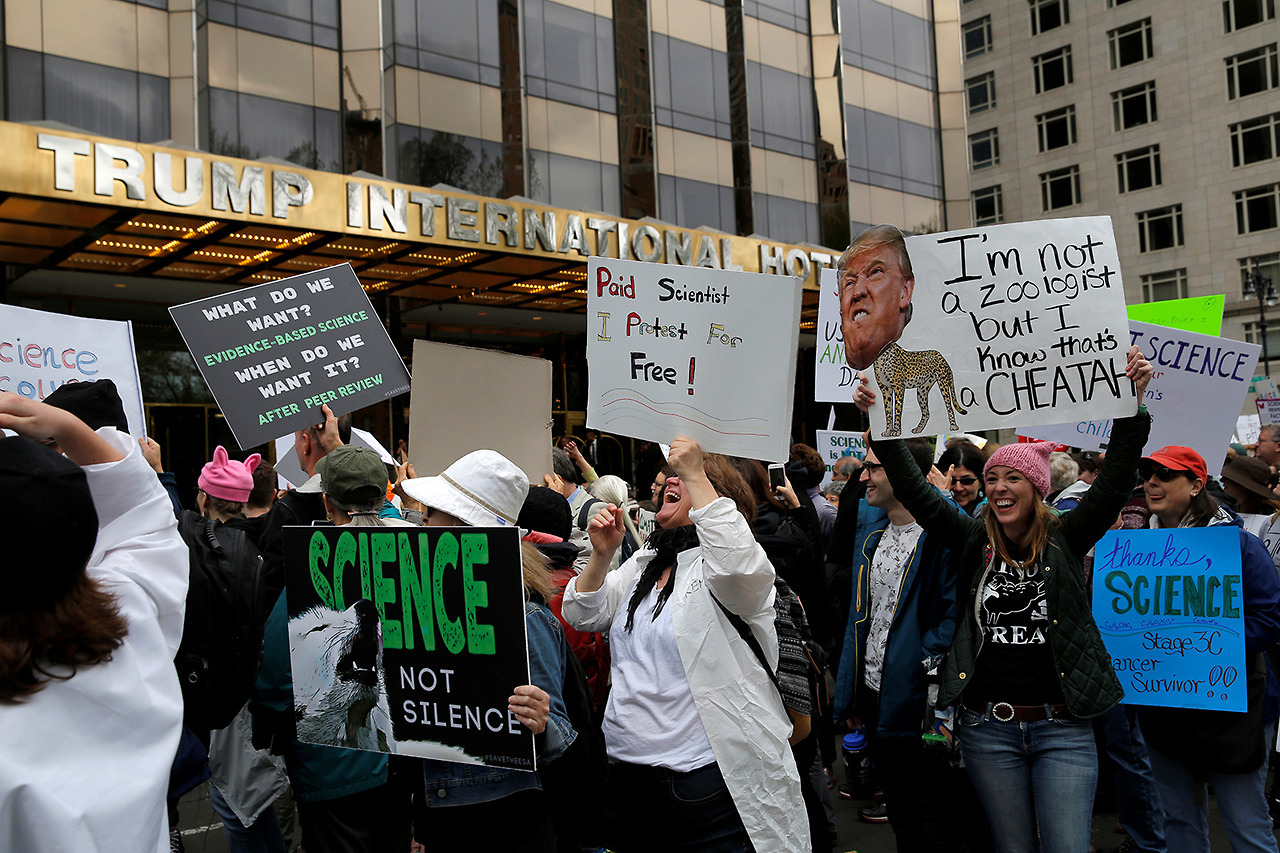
1015,663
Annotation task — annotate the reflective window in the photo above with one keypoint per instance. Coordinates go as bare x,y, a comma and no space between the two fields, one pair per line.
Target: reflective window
792,14
980,93
1048,15
886,151
908,56
780,105
1238,14
252,127
1053,69
988,205
1258,209
96,98
1060,188
425,157
690,87
695,204
154,4
1261,266
1130,44
1056,128
785,219
1134,106
984,149
1251,72
976,37
308,21
1160,229
1158,286
456,38
1138,170
569,56
572,182
1255,140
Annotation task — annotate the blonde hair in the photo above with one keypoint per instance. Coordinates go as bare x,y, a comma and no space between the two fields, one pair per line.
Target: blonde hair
538,584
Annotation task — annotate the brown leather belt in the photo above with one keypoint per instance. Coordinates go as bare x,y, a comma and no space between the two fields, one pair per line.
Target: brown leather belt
1007,713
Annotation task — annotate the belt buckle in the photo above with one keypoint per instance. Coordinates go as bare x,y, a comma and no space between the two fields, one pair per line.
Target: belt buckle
996,712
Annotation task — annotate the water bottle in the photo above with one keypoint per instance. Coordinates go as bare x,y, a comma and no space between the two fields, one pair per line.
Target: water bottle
857,766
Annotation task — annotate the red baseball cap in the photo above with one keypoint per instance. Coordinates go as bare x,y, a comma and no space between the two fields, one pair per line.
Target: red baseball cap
1180,459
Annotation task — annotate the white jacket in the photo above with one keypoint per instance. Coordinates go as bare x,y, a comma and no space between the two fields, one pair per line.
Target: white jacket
84,763
737,703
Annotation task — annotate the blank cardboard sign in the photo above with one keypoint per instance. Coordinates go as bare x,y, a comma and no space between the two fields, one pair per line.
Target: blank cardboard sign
466,399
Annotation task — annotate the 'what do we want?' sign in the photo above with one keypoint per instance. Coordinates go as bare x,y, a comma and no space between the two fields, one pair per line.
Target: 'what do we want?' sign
707,353
274,354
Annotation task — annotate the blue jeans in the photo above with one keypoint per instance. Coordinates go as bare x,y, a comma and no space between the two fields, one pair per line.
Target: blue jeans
1036,780
263,837
1241,801
1137,797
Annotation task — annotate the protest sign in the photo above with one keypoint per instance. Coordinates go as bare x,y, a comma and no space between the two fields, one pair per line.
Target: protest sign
1247,429
833,378
408,640
832,445
1199,314
1194,397
707,353
40,351
1263,386
467,399
288,467
1169,606
1003,326
274,354
1268,410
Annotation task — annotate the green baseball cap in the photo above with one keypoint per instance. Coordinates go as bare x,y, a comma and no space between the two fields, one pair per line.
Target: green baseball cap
353,475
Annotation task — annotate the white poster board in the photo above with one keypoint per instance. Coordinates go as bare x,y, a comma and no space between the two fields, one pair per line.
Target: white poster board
466,399
1268,410
1009,325
833,444
833,378
1194,398
707,353
1247,429
288,467
40,351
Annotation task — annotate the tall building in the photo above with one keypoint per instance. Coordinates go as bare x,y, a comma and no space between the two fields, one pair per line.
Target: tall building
465,156
1162,114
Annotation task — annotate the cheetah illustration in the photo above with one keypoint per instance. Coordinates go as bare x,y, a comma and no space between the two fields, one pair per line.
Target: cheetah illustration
897,370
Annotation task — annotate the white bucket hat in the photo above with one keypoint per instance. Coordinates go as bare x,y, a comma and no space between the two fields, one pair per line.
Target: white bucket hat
482,489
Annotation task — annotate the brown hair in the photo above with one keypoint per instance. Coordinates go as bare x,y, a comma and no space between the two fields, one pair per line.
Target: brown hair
264,485
809,457
727,482
231,509
1043,521
757,480
81,629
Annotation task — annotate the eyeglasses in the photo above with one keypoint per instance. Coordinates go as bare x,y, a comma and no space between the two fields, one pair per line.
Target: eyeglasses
1161,473
963,481
871,466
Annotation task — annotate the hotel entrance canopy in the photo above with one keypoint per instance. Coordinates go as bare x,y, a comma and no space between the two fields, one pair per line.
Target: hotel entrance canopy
184,224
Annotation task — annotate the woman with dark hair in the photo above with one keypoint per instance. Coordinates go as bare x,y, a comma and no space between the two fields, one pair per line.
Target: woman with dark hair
1251,482
1027,665
965,463
694,725
1192,747
95,581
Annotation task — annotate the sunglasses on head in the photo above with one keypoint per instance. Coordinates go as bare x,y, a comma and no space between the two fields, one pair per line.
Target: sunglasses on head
964,481
1160,472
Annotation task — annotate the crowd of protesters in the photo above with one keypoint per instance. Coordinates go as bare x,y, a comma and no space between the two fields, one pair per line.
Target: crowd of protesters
918,620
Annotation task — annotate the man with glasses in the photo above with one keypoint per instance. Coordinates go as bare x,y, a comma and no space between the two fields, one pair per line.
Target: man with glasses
876,284
1268,446
902,613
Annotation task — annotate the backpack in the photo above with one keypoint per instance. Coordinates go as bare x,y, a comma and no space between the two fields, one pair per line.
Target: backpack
576,780
221,647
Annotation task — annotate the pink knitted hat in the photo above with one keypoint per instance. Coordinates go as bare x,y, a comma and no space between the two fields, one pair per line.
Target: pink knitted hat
1029,458
228,479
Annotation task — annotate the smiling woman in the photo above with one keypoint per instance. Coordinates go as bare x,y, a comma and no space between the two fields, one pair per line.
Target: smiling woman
1027,664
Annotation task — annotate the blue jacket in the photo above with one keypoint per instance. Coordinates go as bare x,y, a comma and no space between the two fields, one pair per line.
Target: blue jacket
922,627
449,784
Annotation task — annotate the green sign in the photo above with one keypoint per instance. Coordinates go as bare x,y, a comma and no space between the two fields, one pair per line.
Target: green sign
1200,314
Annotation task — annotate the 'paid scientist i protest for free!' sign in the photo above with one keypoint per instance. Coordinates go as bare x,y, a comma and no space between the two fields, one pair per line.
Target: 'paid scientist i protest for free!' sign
274,354
409,640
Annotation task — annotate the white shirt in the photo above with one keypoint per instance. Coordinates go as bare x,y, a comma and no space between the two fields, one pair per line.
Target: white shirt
888,566
651,718
84,763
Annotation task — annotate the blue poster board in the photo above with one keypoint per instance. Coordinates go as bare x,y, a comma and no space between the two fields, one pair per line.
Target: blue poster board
1170,605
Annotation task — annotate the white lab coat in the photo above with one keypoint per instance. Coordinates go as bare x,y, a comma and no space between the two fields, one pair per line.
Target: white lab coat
740,708
84,763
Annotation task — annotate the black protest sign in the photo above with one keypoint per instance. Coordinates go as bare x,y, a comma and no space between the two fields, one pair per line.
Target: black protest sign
274,354
409,640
